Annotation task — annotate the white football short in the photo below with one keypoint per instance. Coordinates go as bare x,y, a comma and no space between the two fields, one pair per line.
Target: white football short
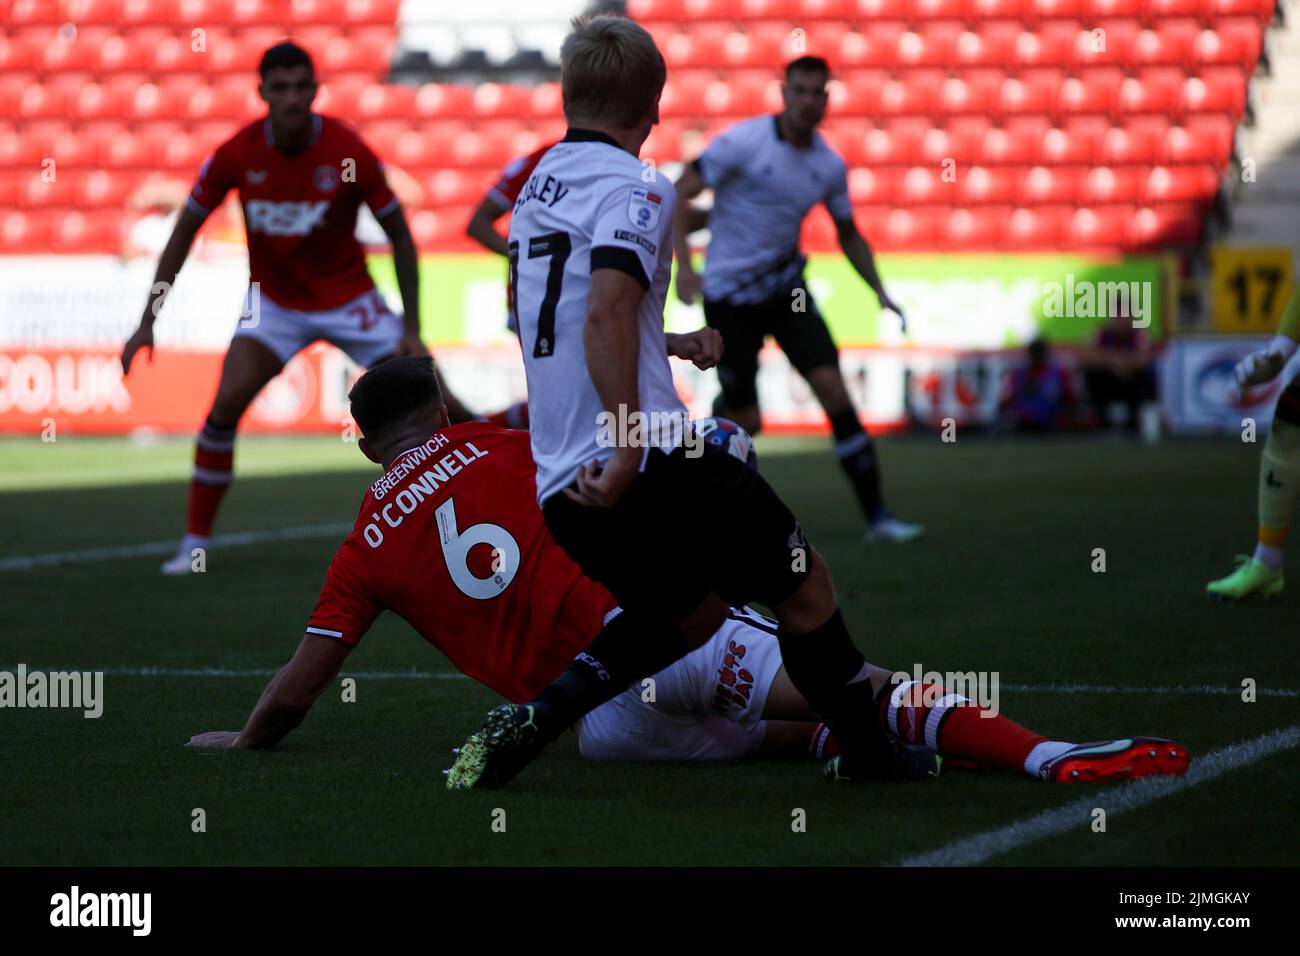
707,706
365,328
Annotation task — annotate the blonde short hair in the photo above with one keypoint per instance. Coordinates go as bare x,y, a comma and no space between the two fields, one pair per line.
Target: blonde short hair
610,71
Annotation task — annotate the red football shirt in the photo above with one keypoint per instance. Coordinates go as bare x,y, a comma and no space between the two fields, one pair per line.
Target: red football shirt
507,187
300,211
452,541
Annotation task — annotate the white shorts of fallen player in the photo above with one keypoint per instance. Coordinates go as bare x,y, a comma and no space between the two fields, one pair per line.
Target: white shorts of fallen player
365,328
707,706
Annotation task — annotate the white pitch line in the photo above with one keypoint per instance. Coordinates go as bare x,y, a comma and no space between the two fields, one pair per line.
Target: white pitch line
973,850
162,548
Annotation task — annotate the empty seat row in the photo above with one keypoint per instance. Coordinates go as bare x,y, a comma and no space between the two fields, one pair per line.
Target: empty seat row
1121,42
920,11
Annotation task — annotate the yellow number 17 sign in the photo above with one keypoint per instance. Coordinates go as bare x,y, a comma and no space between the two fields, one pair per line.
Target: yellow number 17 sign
1251,288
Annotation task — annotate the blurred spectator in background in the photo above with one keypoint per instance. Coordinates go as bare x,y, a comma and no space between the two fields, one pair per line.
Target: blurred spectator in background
1119,369
1040,395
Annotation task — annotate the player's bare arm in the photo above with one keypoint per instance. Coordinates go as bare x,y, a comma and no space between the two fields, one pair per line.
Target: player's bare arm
612,343
689,185
858,252
407,266
703,347
287,698
173,257
482,226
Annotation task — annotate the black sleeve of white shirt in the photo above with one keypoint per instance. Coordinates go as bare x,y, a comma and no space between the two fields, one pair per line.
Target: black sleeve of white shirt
624,260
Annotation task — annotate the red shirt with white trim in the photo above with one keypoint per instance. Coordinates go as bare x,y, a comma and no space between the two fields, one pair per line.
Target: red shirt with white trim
516,172
300,210
451,540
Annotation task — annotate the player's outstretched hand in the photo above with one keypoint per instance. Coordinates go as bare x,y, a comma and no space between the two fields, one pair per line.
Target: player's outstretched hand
887,303
688,284
411,344
601,486
215,739
703,347
141,338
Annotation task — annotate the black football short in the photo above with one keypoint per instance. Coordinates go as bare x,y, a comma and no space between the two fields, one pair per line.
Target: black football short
685,528
802,335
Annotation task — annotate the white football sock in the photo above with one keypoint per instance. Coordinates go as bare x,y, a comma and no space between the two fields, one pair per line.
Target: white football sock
1044,752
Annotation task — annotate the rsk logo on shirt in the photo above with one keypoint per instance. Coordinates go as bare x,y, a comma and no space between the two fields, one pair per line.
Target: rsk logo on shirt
296,218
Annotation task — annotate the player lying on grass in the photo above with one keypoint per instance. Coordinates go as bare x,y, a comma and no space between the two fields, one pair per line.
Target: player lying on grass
1260,575
451,540
301,179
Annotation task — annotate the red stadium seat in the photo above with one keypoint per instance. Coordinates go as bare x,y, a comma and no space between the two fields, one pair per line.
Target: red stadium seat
975,94
924,10
1161,226
1092,95
878,10
19,52
1018,140
1216,90
1060,9
1169,44
12,86
1261,10
913,229
1100,227
1201,139
1078,140
980,185
1138,141
934,44
1153,91
50,100
1051,45
880,186
443,101
643,10
140,12
1156,11
323,12
923,185
218,13
1113,184
1105,43
87,12
1035,91
1047,185
1111,9
979,229
993,44
1166,184
1232,42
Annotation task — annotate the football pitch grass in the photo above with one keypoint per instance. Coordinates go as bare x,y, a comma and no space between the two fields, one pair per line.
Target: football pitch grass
1003,582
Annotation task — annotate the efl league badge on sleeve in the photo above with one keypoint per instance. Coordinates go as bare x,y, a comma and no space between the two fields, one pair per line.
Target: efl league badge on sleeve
644,208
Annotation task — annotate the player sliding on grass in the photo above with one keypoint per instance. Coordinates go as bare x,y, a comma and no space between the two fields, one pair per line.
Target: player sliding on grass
301,178
1260,575
450,539
676,537
766,174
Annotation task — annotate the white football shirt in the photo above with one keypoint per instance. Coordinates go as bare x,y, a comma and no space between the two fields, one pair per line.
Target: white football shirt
763,187
588,205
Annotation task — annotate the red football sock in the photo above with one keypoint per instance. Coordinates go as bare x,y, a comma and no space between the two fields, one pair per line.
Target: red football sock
955,727
516,416
214,457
